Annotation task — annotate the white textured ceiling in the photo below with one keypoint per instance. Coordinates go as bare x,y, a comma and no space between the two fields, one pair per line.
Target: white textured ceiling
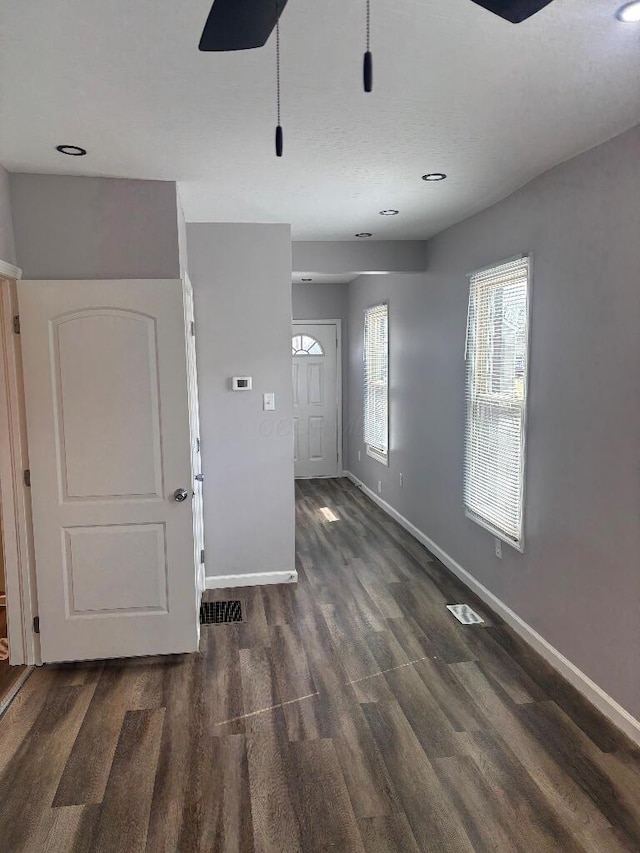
456,90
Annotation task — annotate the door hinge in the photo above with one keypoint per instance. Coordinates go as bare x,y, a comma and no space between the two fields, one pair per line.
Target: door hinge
16,324
27,477
198,445
202,556
193,328
36,624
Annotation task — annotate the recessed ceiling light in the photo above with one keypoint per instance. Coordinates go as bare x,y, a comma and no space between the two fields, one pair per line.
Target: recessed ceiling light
389,212
307,279
629,13
434,176
71,150
364,234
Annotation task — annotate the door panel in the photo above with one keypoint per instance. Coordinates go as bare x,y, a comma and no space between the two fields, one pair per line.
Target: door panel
315,400
315,384
107,387
316,438
120,567
88,351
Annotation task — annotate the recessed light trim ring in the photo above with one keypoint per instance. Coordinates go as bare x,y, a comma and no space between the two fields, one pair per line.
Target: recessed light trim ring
71,150
629,13
432,177
364,234
389,212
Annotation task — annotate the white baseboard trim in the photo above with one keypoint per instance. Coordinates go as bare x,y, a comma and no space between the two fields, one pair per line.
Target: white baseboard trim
255,579
578,679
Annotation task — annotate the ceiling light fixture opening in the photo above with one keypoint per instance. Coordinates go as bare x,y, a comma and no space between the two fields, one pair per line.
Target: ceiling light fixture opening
629,13
389,212
364,234
71,150
434,176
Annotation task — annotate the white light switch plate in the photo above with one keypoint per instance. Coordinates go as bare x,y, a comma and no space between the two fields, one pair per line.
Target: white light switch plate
269,402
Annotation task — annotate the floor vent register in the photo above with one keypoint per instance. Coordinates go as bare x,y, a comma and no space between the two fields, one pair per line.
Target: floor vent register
465,614
220,612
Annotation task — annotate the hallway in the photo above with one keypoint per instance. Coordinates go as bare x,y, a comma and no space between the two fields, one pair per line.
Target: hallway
351,712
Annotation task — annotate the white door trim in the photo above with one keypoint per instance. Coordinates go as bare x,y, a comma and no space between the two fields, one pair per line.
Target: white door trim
338,325
15,499
8,270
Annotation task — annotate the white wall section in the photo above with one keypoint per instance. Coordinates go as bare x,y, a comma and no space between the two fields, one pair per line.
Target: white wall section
241,277
95,228
360,256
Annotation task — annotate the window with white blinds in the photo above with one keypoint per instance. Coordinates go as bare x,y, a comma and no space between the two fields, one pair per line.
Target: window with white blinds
496,395
376,382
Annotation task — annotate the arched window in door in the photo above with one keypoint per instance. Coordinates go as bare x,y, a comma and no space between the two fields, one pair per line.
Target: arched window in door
306,345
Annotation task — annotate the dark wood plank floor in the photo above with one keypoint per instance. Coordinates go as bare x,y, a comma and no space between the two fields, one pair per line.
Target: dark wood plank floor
348,713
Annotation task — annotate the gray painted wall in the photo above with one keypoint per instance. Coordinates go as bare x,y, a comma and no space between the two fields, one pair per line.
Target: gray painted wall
360,256
95,228
327,302
320,301
7,241
578,581
241,277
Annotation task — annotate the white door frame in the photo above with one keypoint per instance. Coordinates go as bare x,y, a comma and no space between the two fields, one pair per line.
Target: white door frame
15,501
338,325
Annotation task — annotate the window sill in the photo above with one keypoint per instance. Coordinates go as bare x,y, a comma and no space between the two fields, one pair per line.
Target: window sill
495,531
382,458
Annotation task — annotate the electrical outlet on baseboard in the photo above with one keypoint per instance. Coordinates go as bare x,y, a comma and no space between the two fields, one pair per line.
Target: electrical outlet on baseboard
401,481
498,548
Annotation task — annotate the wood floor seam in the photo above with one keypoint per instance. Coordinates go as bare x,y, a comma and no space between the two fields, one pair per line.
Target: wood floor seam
267,710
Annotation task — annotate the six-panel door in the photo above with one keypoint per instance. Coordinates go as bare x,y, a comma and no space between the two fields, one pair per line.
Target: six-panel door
105,370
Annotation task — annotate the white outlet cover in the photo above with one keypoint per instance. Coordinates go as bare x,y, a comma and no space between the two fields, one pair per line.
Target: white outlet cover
269,402
465,614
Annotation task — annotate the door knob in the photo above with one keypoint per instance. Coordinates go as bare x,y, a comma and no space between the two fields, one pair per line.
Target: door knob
180,495
200,478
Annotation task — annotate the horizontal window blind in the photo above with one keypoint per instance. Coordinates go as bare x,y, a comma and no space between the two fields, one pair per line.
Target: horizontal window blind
496,384
376,378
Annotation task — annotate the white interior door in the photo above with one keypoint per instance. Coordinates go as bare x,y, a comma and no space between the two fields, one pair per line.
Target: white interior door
106,386
315,399
194,426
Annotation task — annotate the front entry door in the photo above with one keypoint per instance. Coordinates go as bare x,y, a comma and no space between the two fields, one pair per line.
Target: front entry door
106,386
315,399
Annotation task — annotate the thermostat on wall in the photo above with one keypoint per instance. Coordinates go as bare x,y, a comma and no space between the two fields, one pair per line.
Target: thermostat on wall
242,383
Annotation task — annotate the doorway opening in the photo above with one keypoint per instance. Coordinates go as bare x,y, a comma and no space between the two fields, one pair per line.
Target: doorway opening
316,351
19,648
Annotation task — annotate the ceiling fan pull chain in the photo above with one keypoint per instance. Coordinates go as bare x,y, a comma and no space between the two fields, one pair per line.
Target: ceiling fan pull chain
368,58
279,133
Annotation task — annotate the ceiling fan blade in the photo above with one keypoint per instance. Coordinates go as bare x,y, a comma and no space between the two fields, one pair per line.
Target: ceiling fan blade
240,24
515,11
